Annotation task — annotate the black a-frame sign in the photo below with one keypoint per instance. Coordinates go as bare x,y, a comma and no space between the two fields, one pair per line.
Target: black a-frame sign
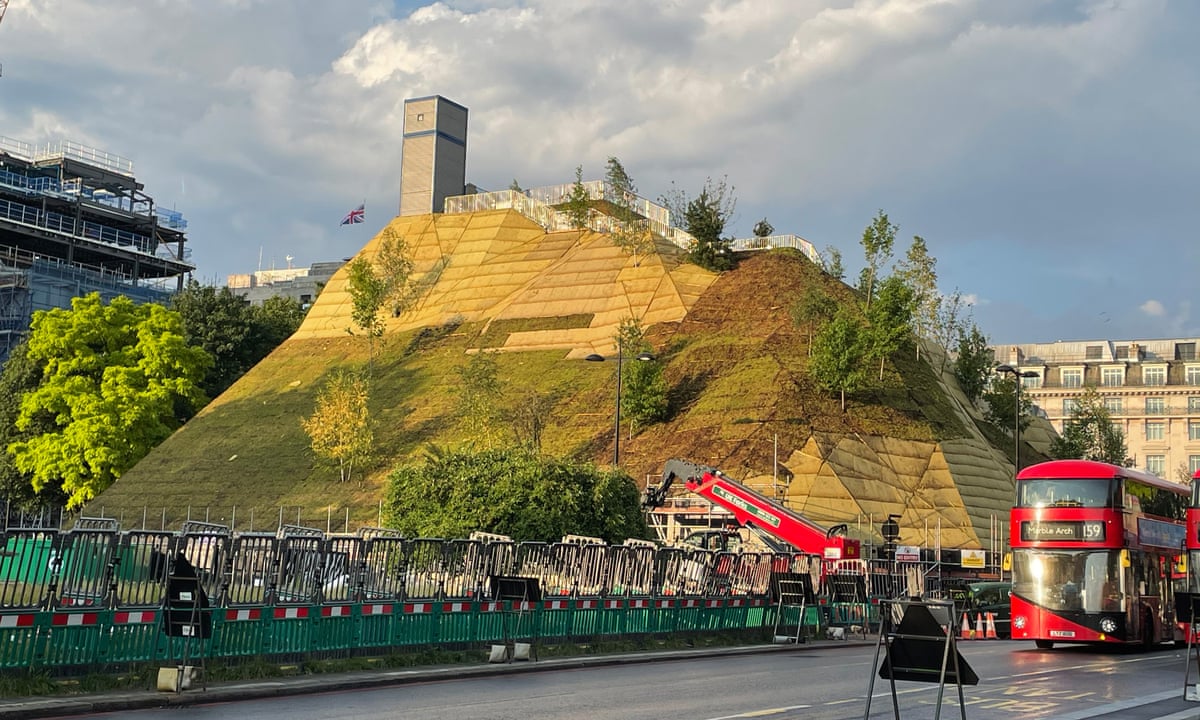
920,648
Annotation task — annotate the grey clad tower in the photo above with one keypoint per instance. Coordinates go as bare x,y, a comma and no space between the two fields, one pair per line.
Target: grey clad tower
434,162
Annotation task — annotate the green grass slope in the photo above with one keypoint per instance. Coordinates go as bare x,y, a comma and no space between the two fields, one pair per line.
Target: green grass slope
740,396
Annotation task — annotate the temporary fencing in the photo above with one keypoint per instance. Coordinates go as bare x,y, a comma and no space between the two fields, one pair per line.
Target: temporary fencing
93,596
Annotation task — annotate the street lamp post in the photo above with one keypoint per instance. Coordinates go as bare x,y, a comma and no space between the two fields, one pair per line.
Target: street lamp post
1017,377
594,357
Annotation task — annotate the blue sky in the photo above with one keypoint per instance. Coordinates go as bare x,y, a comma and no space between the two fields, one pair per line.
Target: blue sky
1045,150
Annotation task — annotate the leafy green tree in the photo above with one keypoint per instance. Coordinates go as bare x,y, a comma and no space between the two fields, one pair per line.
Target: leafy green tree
114,378
516,186
705,219
889,320
918,269
514,492
620,182
579,204
953,315
834,267
813,308
236,334
630,231
1001,401
644,399
479,392
272,322
1090,434
386,282
341,429
877,241
22,375
973,364
368,293
531,413
763,229
218,321
395,269
838,353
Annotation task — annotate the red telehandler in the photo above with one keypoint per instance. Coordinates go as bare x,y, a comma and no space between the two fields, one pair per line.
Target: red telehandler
755,510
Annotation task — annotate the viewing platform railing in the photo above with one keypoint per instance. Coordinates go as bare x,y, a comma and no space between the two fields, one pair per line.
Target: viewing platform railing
543,206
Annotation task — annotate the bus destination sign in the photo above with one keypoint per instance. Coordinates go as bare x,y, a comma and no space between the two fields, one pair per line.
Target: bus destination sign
1063,530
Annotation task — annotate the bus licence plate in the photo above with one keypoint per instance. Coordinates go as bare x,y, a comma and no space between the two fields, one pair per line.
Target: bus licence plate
1062,633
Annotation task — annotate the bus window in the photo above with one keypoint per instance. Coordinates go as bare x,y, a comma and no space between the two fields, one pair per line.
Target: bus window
1092,493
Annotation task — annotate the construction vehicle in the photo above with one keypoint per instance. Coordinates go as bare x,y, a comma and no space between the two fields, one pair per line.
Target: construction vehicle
755,510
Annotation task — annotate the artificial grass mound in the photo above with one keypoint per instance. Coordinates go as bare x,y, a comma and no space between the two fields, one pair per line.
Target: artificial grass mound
735,362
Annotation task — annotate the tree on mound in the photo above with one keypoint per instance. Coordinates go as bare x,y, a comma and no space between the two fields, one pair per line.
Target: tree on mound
341,428
513,492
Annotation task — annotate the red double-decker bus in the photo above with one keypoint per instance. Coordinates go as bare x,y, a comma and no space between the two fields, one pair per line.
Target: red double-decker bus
1192,544
1094,548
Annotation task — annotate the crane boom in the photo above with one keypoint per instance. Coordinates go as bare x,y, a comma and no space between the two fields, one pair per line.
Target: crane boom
753,508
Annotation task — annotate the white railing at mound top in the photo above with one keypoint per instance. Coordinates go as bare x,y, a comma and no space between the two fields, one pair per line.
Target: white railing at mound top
771,242
537,204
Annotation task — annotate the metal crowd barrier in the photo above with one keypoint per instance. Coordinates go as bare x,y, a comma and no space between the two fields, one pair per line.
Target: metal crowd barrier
93,595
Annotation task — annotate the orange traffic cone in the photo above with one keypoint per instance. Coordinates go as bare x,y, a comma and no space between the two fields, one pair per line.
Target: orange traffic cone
967,633
978,626
991,627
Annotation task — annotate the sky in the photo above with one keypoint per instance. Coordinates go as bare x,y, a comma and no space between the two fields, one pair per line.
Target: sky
1046,151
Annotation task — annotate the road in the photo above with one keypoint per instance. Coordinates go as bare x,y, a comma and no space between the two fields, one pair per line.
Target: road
1016,681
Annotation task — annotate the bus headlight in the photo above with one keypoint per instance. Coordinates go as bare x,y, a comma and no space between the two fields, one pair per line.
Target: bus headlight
1108,625
1019,622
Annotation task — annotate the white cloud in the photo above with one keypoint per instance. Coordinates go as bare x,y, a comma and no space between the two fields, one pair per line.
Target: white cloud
1009,135
1153,308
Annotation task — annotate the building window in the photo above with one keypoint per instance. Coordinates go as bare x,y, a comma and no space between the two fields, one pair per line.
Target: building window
1154,429
1185,351
1155,464
1154,375
1193,404
1193,464
1193,429
1114,406
1071,377
1112,376
1155,406
1123,352
1191,374
1070,405
1034,381
1093,352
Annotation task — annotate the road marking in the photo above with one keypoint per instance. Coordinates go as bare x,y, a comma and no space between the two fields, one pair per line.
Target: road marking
1122,705
762,713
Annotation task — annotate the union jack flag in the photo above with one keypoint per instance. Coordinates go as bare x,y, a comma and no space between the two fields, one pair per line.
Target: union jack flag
355,216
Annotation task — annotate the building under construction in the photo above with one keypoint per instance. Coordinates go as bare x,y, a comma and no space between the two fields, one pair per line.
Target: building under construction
74,220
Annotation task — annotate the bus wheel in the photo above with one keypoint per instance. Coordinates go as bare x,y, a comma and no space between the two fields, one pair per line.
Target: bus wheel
1044,644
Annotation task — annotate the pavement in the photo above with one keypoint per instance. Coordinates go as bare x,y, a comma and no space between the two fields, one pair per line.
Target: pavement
1167,705
46,706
